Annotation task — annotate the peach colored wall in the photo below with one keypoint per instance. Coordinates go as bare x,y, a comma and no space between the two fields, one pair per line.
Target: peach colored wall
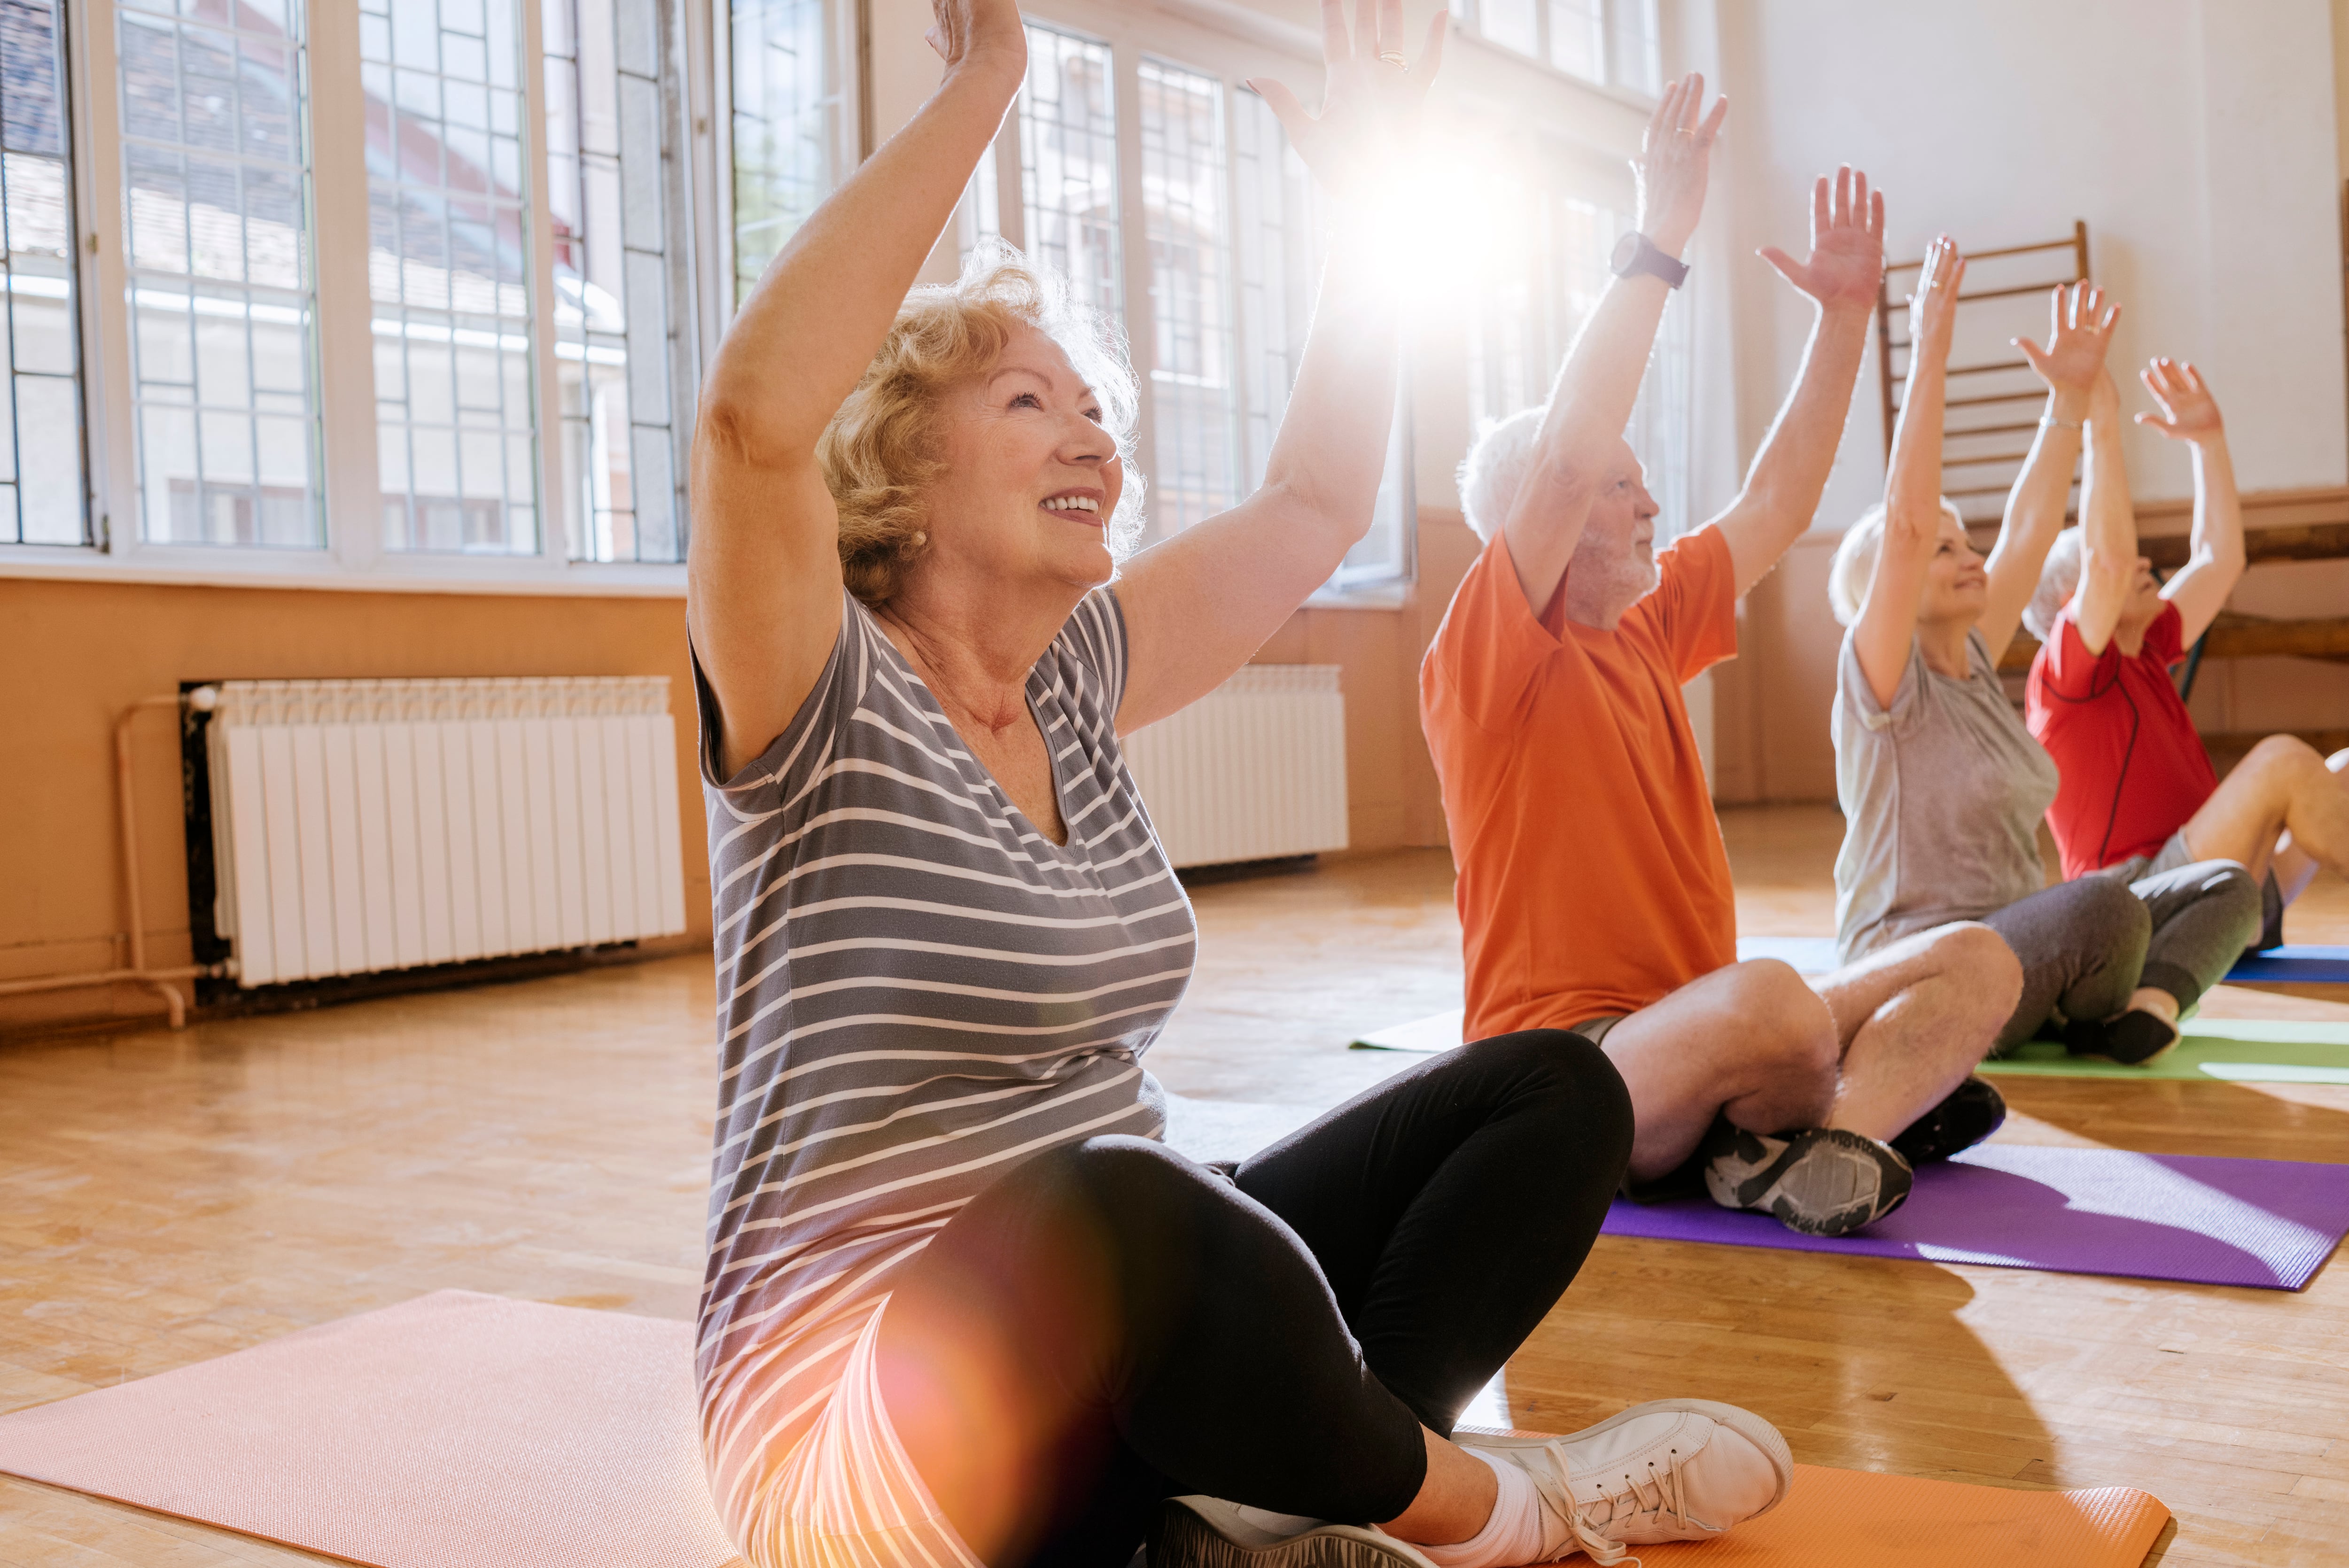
79,653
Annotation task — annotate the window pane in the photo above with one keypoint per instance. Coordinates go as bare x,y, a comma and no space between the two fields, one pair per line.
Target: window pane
42,502
449,271
1637,56
1279,253
222,311
1068,160
1184,218
784,104
614,330
1577,41
1512,24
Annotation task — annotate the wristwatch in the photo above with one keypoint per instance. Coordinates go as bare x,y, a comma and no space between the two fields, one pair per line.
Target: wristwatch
1634,254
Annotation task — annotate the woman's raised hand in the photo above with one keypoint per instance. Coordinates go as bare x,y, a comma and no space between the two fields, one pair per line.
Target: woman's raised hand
1933,308
978,30
1846,265
1675,162
2188,412
2078,335
1371,100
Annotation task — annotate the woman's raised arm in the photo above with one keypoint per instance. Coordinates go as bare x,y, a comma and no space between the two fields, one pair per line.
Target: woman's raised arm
763,577
1198,605
1912,488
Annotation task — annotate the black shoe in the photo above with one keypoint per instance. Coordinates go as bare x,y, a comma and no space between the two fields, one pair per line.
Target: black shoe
2133,1040
1967,1114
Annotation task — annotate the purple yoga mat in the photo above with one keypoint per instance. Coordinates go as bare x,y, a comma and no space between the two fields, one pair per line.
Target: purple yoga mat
2265,1222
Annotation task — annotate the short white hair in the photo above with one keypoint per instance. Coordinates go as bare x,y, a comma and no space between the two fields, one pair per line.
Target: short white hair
2059,579
1495,468
1854,561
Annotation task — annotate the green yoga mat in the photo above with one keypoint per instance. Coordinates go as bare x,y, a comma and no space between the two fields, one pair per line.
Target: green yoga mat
2233,1051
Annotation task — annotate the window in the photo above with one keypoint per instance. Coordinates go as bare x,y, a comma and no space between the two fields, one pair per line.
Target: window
609,168
216,184
783,126
1616,43
41,486
1204,186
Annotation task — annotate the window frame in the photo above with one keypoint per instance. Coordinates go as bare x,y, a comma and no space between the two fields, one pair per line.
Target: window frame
1469,17
353,556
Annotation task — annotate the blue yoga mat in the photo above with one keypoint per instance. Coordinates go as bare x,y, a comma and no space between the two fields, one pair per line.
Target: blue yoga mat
2294,963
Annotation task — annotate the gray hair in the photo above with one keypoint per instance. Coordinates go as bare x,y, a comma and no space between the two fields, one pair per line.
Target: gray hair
2059,579
1854,561
1495,468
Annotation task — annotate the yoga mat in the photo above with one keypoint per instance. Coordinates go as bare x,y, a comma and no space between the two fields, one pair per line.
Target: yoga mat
1856,1519
455,1431
2294,963
2231,1050
2269,1223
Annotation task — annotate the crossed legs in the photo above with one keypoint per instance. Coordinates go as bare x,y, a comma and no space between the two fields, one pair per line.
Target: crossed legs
1870,1047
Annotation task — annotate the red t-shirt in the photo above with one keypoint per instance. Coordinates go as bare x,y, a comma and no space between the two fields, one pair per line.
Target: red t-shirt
2133,769
1593,880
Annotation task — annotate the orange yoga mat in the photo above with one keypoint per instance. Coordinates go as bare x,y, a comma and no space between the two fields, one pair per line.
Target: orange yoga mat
469,1431
1857,1519
455,1431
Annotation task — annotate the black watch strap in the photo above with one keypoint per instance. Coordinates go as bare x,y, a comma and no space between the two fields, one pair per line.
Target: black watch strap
1635,255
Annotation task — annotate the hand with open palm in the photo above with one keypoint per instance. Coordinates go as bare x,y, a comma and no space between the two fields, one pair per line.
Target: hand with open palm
1371,98
2188,412
2079,334
1846,265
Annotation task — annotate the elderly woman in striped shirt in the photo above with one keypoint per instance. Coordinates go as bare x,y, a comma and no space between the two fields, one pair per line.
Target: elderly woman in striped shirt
962,1306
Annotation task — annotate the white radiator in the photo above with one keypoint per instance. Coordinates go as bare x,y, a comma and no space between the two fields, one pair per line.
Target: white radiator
1255,770
368,825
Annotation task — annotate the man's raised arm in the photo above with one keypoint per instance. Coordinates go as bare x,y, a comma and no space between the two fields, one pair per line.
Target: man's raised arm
1845,270
1599,381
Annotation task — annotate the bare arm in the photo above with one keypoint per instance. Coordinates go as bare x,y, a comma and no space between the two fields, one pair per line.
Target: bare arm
1599,381
762,577
2200,588
2107,527
1847,267
1886,632
1197,605
2080,332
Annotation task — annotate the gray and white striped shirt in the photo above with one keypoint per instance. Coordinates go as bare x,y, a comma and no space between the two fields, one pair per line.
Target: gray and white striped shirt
916,990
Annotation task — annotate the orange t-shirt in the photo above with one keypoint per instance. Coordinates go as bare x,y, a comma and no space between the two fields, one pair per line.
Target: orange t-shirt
1592,876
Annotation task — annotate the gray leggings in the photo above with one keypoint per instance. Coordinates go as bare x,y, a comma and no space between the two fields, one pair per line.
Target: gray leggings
2088,944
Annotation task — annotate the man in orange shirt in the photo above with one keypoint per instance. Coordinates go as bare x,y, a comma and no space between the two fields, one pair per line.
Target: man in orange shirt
1594,889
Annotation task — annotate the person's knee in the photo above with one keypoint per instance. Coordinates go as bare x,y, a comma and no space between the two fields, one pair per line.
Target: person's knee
1985,968
1565,1074
2229,891
1792,1024
2286,759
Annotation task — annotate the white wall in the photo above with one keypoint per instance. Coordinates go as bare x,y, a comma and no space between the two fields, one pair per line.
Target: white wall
2198,139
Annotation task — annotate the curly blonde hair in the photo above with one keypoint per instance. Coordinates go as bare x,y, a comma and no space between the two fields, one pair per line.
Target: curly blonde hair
880,452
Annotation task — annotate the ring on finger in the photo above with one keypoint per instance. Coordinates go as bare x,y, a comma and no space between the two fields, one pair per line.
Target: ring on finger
1394,57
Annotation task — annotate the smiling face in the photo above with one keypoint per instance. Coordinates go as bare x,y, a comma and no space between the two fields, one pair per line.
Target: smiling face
1614,564
1957,588
1031,477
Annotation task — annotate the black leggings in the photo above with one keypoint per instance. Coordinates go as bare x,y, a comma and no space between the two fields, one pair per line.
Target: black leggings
1276,1333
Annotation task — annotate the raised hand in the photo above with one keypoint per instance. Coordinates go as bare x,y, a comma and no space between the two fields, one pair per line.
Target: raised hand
1371,98
2078,335
1675,158
1933,308
975,30
1846,265
2188,412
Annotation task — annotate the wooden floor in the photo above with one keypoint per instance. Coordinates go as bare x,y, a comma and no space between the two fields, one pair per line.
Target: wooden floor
165,1198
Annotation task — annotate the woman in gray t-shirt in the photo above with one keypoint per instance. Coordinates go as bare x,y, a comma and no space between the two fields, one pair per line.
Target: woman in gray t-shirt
1942,788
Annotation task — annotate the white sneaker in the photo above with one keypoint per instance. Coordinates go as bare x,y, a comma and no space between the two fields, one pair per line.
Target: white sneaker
1209,1532
1672,1469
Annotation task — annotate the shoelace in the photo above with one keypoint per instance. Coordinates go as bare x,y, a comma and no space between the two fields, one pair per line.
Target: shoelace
1671,1502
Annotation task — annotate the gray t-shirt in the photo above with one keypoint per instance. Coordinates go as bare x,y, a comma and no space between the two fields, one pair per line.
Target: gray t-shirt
1942,792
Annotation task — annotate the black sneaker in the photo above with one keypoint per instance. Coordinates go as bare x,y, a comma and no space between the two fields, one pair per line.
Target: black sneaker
1826,1182
1967,1114
2133,1040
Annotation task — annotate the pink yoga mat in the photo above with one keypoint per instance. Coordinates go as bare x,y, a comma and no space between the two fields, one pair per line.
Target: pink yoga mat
455,1431
2265,1222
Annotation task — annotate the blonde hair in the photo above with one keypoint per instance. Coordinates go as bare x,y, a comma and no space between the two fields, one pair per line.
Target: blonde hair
1854,561
880,452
